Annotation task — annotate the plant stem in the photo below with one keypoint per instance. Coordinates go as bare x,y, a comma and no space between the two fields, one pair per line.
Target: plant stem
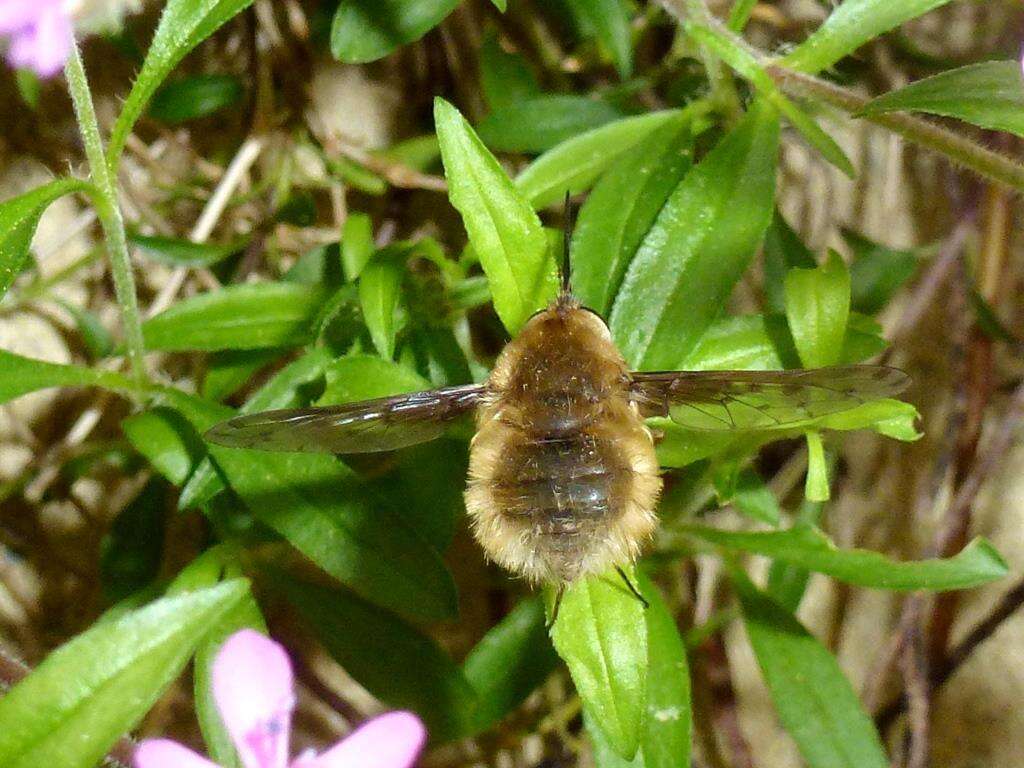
958,148
108,210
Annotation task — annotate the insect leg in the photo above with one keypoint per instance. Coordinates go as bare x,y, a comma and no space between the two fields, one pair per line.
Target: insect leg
632,587
554,609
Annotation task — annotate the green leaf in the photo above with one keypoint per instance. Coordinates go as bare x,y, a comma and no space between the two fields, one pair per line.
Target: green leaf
852,24
167,441
29,87
365,377
740,342
700,238
19,217
610,21
21,375
818,308
505,78
665,742
816,487
183,25
815,701
367,30
246,615
93,689
210,568
426,487
195,96
621,209
739,14
977,563
324,511
601,635
576,163
421,153
184,253
131,550
989,95
783,250
755,499
502,227
509,663
231,369
786,582
352,174
356,244
734,52
876,272
666,738
248,316
540,123
380,284
95,336
390,658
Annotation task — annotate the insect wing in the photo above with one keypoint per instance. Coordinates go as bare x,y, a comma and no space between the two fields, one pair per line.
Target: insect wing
383,424
761,400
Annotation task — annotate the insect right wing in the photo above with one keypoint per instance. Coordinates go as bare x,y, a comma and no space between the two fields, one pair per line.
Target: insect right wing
383,424
759,400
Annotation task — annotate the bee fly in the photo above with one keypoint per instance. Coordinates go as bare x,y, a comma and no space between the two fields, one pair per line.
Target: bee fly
563,477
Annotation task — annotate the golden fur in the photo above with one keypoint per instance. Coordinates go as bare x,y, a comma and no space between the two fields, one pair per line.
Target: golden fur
558,431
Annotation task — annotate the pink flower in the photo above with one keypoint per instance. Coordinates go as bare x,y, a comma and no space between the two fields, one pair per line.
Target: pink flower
39,31
252,686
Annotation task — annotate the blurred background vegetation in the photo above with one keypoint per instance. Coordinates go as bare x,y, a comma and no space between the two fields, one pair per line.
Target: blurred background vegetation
282,134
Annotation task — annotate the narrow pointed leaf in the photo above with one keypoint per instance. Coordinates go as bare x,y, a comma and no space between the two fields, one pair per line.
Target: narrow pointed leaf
701,237
977,563
573,165
248,316
818,308
814,699
380,284
183,25
610,21
989,95
601,635
19,217
367,30
621,209
96,687
735,54
502,227
852,24
509,663
392,659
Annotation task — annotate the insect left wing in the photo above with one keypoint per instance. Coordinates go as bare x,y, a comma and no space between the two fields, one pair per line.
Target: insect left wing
757,400
384,424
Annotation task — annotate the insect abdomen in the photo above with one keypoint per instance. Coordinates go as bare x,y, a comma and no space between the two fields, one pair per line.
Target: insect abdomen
555,507
561,483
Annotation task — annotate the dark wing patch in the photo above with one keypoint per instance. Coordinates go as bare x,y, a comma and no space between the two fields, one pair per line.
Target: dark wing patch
756,400
384,424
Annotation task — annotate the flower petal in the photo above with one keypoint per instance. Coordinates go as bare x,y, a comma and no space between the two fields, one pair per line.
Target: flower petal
252,685
393,740
16,14
45,45
164,753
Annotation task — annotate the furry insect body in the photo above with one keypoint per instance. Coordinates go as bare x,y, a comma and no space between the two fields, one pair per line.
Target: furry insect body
563,477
